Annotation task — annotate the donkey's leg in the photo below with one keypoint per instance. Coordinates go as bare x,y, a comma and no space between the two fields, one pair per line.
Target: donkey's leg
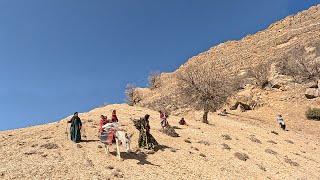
118,151
106,148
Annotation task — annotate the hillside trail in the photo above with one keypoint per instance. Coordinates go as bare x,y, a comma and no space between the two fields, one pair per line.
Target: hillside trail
202,151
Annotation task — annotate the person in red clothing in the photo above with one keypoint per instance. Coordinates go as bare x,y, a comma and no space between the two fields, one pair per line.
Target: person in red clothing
114,116
103,121
163,118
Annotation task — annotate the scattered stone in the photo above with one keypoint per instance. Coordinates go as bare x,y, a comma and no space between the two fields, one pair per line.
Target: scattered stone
289,141
274,132
99,146
2,174
261,167
48,137
270,151
204,142
30,153
289,161
21,143
312,93
44,155
194,148
50,146
187,141
90,163
10,135
272,142
226,146
90,120
253,139
202,155
226,137
93,126
110,167
34,145
79,146
241,156
173,150
117,174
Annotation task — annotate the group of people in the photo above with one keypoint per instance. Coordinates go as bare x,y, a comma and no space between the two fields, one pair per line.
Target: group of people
145,138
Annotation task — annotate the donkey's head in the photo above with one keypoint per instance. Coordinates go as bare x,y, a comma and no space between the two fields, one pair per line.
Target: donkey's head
125,138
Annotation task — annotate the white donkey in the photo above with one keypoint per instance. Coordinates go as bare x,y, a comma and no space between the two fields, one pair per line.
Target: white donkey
120,136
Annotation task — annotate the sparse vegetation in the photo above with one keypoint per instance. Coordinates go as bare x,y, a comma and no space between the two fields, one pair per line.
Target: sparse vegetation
254,139
241,156
270,151
170,131
205,88
50,146
226,146
260,73
289,161
313,114
226,137
130,90
299,65
154,80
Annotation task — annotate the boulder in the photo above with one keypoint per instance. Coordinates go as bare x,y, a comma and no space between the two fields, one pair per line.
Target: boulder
312,93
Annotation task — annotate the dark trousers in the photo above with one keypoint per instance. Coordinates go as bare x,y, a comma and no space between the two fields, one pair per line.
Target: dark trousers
283,126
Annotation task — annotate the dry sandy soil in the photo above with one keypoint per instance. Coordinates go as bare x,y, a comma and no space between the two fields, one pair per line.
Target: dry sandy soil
201,152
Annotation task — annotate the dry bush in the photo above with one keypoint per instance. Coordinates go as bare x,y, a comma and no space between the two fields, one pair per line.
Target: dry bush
170,131
270,151
261,73
254,139
205,88
241,156
289,161
50,146
300,65
226,146
226,137
130,92
313,114
154,79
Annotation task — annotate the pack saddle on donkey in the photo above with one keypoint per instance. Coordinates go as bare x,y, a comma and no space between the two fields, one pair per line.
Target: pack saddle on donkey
112,134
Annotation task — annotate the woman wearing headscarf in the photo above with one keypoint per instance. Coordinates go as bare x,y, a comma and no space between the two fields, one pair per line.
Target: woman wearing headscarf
103,121
114,116
146,140
75,128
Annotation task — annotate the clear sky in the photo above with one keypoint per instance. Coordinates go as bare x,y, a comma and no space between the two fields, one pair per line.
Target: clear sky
61,56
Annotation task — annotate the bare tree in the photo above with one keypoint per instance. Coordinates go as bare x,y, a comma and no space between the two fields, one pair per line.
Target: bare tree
300,65
260,73
154,79
205,88
130,94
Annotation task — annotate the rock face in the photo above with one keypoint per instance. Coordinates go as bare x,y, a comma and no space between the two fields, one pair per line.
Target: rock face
312,93
300,31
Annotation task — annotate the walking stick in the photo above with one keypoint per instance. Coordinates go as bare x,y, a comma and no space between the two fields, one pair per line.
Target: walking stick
66,132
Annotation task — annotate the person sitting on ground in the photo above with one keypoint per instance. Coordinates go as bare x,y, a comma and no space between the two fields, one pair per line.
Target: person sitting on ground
281,122
163,118
182,122
146,140
75,128
103,121
114,116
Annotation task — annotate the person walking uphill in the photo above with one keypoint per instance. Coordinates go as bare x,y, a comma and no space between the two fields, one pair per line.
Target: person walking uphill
146,140
281,122
75,128
114,116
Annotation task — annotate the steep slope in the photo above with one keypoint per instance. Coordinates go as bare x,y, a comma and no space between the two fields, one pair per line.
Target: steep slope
273,44
300,32
201,151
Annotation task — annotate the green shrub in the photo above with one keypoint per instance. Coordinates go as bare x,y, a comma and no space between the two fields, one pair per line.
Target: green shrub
313,113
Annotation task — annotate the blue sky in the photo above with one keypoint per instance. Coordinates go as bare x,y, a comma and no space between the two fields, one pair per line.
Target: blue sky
61,56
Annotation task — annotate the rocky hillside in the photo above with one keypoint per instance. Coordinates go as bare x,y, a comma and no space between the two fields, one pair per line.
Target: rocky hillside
229,148
296,36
